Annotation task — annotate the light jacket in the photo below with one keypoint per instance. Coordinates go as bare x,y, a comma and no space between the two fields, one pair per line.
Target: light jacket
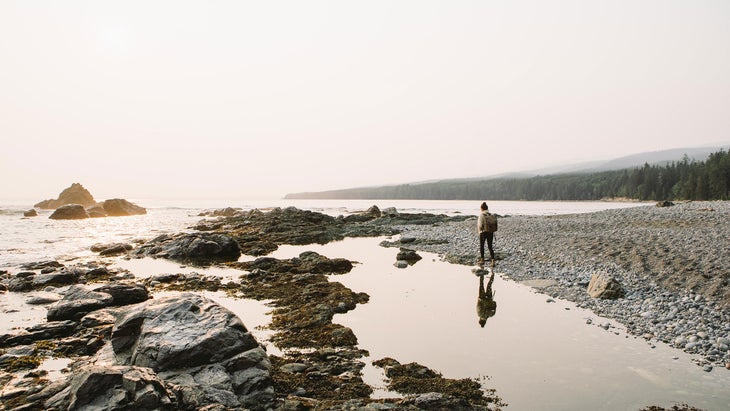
482,222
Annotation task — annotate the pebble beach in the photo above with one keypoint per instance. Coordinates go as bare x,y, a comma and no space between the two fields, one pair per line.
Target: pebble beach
671,262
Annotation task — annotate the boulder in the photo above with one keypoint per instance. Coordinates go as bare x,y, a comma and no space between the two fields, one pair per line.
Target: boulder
125,294
406,254
57,278
77,302
112,388
119,207
179,332
307,262
69,212
604,286
195,247
200,349
75,194
44,331
30,213
115,249
96,211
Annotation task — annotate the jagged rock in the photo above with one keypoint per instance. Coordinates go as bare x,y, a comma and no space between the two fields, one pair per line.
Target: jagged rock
28,280
406,254
196,247
664,204
111,249
41,265
604,286
77,302
113,388
30,213
225,212
69,212
370,214
42,298
125,294
44,331
179,332
119,207
307,262
200,349
75,194
59,278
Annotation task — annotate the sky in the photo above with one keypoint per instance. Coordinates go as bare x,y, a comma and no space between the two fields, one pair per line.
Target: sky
257,99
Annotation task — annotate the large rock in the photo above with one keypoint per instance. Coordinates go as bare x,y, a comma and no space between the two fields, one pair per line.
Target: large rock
113,388
179,332
76,302
69,212
30,213
125,294
181,352
44,331
194,247
76,194
604,286
120,207
202,350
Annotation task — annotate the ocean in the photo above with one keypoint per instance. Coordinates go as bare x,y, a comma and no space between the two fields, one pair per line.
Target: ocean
31,239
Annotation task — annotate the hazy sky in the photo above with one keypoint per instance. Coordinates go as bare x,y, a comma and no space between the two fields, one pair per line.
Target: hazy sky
257,99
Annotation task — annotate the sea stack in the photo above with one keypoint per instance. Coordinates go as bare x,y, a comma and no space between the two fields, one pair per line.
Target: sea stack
76,194
76,202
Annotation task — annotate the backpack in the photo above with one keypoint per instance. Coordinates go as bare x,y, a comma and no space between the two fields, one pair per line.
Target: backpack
491,220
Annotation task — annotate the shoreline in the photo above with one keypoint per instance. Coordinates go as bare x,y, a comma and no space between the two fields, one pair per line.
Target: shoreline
697,323
669,260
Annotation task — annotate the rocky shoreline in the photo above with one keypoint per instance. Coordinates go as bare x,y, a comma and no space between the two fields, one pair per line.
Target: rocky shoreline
671,262
119,336
130,350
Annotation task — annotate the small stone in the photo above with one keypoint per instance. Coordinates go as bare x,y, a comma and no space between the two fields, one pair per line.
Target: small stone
707,368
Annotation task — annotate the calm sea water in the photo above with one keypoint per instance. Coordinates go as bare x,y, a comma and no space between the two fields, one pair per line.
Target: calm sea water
537,355
25,240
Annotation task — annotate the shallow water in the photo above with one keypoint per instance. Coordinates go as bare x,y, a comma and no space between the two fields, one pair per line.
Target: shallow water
538,355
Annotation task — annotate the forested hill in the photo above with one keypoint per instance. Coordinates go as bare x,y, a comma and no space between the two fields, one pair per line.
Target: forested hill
681,180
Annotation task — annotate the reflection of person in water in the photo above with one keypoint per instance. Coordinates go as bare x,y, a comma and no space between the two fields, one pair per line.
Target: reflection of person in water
486,306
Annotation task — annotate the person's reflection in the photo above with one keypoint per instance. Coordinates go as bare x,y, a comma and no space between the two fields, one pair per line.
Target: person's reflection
486,306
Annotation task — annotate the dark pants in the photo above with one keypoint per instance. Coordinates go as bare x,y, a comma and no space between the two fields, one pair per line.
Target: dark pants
490,239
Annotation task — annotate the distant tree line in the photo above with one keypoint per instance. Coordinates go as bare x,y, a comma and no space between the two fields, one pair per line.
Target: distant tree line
682,180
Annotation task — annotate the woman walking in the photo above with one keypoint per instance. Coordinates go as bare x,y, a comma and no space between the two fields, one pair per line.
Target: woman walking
486,225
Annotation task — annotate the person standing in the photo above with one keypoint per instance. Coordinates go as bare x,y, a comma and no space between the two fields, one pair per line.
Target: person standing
486,225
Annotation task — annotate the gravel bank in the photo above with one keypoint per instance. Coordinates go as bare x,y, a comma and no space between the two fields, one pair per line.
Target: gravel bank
672,262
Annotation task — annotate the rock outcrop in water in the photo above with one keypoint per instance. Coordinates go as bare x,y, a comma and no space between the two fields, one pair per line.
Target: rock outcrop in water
76,202
191,247
69,212
75,194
